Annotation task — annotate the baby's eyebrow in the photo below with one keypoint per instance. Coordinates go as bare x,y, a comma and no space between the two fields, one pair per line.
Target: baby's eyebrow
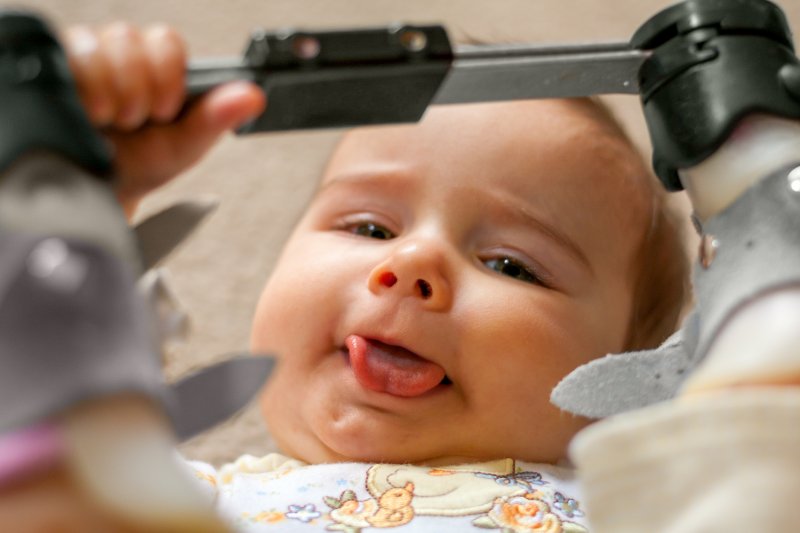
509,205
378,177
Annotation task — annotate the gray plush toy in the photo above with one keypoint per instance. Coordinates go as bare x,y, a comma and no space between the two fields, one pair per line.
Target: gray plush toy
73,325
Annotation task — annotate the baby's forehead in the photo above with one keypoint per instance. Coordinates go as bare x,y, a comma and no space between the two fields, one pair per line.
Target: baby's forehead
571,143
541,136
526,124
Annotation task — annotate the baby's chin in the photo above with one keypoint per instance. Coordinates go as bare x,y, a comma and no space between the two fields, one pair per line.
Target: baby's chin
327,455
316,449
324,427
328,442
330,447
326,445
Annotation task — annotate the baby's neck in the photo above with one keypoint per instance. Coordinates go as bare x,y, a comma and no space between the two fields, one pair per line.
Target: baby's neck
758,146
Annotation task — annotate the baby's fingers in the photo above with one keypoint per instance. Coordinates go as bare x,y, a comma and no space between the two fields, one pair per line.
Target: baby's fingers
148,158
124,50
166,57
92,74
126,76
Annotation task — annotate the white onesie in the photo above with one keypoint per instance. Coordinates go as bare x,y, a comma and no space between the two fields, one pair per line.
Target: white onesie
275,493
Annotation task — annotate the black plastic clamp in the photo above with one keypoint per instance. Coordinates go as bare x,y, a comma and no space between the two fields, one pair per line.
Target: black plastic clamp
713,62
39,103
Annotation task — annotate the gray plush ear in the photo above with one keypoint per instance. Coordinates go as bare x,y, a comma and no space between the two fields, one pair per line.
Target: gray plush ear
621,382
161,233
213,394
171,321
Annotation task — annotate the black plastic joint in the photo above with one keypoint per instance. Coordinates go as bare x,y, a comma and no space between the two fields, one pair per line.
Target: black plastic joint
39,102
713,62
345,78
790,76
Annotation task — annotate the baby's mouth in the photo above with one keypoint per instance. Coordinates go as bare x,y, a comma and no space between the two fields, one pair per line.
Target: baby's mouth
392,369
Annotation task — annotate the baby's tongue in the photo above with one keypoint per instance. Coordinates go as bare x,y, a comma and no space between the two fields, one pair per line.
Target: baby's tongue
391,369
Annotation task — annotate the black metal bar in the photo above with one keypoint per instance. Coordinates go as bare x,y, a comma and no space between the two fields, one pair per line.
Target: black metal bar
386,75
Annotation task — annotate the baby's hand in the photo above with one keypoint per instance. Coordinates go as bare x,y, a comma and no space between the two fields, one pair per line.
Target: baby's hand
132,84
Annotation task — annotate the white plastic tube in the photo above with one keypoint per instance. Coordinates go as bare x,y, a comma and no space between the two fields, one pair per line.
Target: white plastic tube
121,452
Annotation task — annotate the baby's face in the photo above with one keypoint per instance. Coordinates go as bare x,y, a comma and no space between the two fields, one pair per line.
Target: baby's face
445,277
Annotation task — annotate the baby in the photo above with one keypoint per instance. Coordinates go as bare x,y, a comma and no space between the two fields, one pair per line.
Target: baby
444,278
448,274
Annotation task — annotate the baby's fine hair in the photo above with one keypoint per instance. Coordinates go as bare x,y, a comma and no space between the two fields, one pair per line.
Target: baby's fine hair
661,287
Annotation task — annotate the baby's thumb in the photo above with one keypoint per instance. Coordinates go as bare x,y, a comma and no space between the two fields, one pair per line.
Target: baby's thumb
147,159
185,142
223,109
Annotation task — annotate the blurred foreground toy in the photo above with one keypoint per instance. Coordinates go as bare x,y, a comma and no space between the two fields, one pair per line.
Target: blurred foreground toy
81,386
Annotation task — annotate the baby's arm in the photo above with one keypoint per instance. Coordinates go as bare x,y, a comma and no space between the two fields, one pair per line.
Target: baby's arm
131,82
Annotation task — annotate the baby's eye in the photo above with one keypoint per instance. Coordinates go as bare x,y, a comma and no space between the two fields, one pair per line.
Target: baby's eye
372,230
512,268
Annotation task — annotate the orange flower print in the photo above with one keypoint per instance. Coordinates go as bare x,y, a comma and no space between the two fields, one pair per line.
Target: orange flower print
525,514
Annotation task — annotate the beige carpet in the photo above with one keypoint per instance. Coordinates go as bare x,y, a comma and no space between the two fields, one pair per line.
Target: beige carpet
263,181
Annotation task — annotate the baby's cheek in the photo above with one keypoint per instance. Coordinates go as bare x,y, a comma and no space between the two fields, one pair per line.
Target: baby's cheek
299,299
268,321
540,330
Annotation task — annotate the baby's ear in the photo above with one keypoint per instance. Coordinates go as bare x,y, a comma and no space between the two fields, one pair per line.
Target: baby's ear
622,382
409,487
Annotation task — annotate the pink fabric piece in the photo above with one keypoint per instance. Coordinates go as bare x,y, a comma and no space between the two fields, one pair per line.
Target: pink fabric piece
33,449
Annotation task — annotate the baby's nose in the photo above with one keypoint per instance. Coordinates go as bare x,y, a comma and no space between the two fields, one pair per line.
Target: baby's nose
416,271
388,279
